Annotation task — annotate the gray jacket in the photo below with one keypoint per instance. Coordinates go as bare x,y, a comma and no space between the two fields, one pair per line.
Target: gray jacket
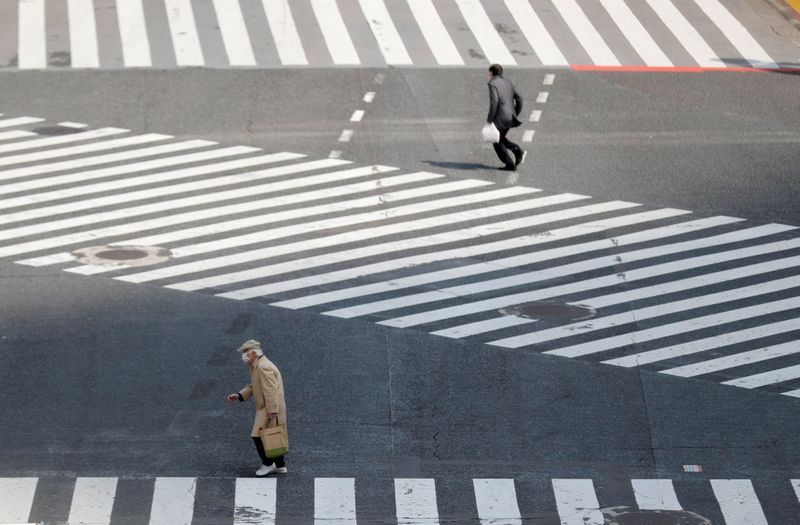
504,103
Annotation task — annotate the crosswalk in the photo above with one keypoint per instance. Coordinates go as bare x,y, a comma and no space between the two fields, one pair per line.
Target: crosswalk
714,298
90,34
176,501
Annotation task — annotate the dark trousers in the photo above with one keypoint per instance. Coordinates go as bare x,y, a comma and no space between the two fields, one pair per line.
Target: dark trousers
502,149
279,461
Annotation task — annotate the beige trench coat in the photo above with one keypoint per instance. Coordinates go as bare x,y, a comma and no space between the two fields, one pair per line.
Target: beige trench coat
266,388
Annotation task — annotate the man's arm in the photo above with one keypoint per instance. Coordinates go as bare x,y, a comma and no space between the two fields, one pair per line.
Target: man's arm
494,101
517,103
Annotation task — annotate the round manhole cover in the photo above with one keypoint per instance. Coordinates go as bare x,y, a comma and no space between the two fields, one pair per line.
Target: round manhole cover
554,310
630,516
646,518
56,130
121,255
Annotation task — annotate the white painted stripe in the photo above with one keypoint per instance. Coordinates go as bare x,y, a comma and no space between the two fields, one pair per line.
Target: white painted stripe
415,501
346,135
525,241
76,125
334,501
585,32
655,494
740,359
54,195
32,39
173,501
81,149
767,378
736,33
92,500
484,32
335,154
389,41
65,139
369,97
496,500
697,323
85,162
481,327
234,33
535,31
576,502
549,79
182,26
16,134
599,282
17,500
796,486
19,121
133,33
528,135
536,115
665,308
541,98
792,393
738,502
284,33
57,258
82,34
357,115
255,501
335,33
435,33
686,34
637,35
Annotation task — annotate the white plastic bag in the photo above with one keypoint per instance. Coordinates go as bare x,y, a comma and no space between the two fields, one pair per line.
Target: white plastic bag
491,133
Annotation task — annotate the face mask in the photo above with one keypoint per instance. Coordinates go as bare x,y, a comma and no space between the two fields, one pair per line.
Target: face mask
245,358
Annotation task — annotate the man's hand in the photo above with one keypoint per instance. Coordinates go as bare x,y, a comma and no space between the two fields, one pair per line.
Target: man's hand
233,397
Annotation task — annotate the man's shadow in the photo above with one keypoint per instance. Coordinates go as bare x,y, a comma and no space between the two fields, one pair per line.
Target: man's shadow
466,166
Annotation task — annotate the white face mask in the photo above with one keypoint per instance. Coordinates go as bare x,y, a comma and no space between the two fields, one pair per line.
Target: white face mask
245,358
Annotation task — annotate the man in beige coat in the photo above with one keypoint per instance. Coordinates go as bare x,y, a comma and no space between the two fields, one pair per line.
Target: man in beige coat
266,388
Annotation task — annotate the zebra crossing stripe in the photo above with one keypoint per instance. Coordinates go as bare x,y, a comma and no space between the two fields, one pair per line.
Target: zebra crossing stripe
234,33
133,34
284,32
637,35
576,502
736,360
335,33
585,32
536,33
66,139
738,502
255,501
32,40
16,134
736,33
334,501
185,40
83,34
655,494
435,33
19,121
482,28
16,499
686,34
93,500
415,502
496,500
766,378
389,41
173,501
796,487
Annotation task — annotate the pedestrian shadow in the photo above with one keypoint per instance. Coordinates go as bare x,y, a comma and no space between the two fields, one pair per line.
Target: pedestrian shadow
466,166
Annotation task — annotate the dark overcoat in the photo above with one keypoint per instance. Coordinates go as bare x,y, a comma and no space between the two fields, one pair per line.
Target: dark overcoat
504,103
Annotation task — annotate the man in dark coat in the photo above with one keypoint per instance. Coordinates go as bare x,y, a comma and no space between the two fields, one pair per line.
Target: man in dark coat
504,106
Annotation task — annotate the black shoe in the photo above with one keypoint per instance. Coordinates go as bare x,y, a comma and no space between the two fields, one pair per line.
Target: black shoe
519,159
508,168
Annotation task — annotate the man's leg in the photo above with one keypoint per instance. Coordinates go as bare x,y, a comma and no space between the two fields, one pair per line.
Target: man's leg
513,148
501,149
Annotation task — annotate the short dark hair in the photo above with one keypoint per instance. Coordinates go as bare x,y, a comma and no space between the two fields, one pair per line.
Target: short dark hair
496,69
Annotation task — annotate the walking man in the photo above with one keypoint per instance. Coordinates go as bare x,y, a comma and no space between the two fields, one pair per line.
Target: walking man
266,388
504,106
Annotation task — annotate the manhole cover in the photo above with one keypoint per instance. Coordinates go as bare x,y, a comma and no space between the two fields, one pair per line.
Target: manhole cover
121,255
56,130
646,518
554,310
629,516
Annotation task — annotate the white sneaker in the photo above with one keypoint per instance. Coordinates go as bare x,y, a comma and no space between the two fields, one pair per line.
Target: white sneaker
265,469
281,470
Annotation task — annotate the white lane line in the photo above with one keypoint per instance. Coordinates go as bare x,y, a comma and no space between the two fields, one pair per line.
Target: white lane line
541,98
83,34
584,31
792,393
76,125
369,97
655,494
47,182
47,260
535,31
637,35
740,359
334,501
335,33
133,33
526,241
16,134
81,149
576,502
357,115
85,162
346,135
335,154
496,500
767,378
536,115
389,41
598,282
17,500
284,33
415,501
697,323
173,501
66,139
484,32
255,501
482,327
435,33
686,34
737,34
738,502
185,39
19,121
235,37
528,135
32,41
796,486
92,500
549,79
